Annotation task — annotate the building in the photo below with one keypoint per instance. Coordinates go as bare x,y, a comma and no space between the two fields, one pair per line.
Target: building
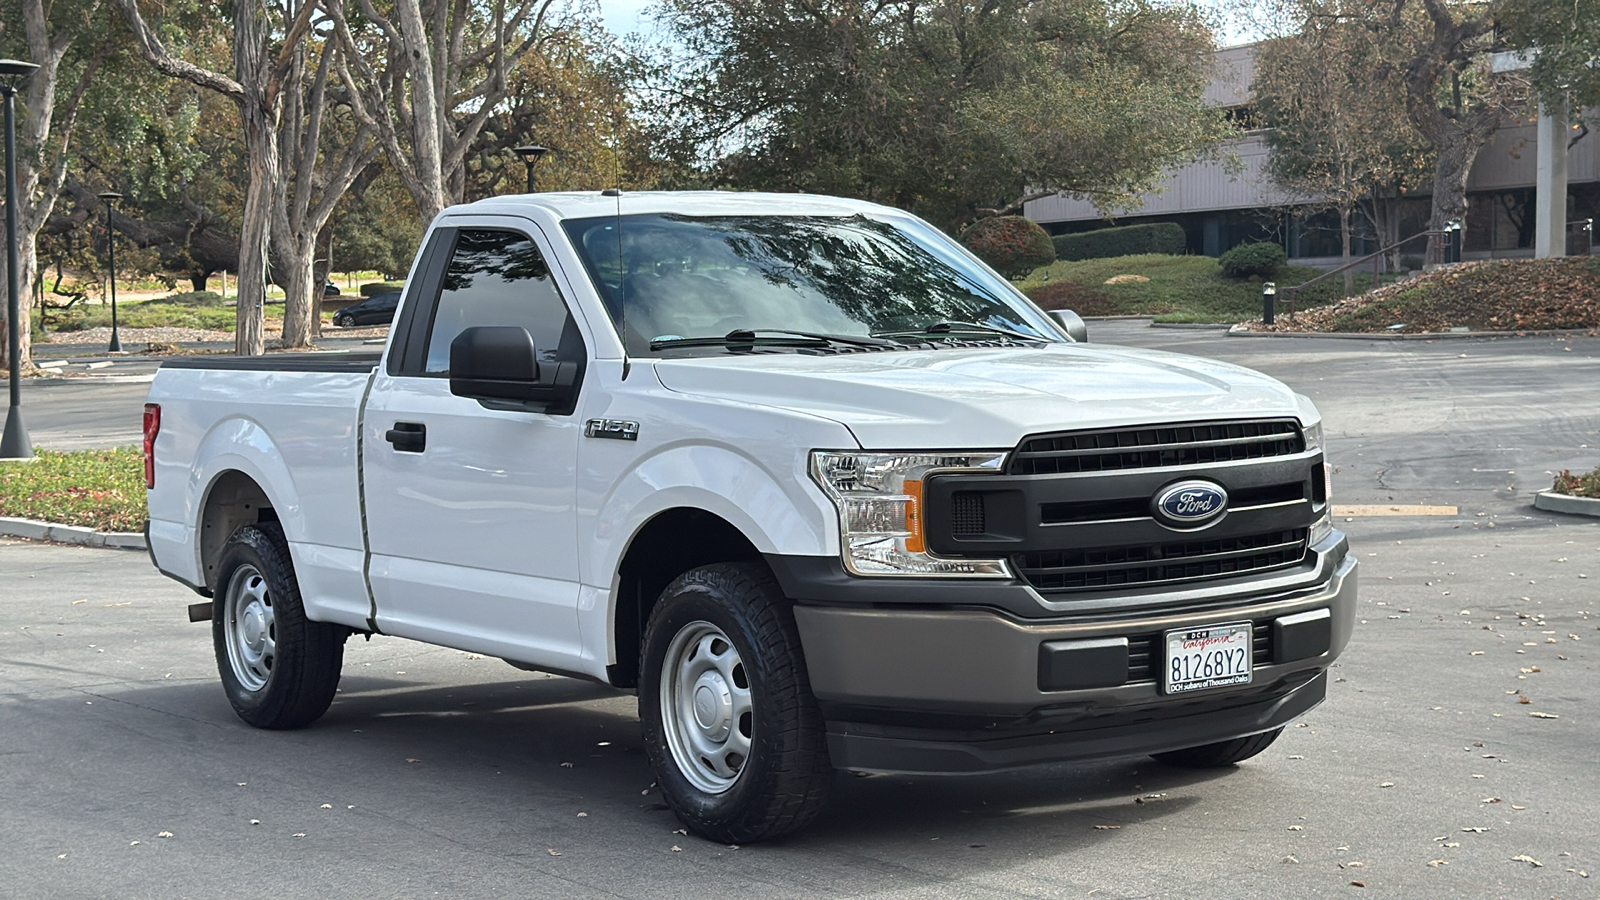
1219,209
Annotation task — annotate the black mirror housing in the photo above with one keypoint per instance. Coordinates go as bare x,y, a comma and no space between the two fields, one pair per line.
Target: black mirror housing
1072,324
495,362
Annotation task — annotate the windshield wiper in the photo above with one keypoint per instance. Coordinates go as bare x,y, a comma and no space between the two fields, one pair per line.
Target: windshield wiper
952,327
781,338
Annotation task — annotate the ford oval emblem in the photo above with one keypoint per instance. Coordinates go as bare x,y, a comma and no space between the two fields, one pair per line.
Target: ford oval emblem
1190,504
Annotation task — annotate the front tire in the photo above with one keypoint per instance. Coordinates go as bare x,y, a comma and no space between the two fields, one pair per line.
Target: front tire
730,725
279,669
1222,753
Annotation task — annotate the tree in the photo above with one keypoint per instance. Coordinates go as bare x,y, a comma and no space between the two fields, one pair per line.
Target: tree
69,46
427,75
1338,133
1454,99
1566,38
262,57
948,108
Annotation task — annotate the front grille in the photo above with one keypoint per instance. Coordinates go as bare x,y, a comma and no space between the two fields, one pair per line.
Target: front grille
966,514
1160,564
1149,447
1144,652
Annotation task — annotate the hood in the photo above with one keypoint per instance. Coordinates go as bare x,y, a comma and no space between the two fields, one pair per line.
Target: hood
984,398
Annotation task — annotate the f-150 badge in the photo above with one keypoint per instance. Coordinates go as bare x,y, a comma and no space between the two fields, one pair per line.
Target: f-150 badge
615,429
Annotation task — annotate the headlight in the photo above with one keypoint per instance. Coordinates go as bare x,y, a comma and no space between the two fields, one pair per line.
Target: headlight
879,498
1313,433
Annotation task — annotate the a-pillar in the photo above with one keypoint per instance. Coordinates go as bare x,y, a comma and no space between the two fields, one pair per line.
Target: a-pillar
1550,231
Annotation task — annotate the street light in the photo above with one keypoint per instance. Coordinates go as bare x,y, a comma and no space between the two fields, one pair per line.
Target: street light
15,443
111,198
530,154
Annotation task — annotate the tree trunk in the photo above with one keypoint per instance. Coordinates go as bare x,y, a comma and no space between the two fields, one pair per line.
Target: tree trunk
1450,193
27,265
1344,239
302,298
260,135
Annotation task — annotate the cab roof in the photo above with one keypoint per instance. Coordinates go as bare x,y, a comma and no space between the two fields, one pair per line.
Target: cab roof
592,204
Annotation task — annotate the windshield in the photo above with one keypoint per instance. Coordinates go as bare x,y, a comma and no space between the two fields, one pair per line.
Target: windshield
669,277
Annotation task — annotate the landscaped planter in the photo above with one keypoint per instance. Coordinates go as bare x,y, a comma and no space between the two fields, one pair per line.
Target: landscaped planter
1567,503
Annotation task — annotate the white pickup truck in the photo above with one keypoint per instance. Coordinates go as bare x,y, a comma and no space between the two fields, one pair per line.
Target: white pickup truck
822,488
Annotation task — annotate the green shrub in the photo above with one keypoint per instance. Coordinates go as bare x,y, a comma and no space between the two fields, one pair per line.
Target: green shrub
1129,240
1011,245
374,288
1246,260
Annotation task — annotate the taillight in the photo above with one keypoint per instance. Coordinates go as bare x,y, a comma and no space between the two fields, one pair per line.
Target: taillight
152,427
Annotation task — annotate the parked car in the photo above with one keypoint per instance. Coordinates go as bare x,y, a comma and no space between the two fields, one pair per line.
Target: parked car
822,488
378,309
329,289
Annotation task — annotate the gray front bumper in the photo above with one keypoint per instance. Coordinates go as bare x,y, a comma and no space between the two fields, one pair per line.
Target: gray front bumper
944,679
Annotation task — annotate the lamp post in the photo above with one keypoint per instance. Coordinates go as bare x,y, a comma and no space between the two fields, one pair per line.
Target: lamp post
15,443
111,198
530,154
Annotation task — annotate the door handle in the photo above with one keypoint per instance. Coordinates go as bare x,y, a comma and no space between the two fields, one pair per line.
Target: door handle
408,437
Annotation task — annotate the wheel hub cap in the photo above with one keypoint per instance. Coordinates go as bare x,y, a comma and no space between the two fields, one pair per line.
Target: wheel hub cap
706,707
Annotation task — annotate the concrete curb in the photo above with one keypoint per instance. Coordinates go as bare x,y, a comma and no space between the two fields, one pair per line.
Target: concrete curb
1566,503
1236,331
70,534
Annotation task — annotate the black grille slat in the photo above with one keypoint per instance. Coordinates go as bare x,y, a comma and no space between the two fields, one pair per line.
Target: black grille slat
1161,564
1145,448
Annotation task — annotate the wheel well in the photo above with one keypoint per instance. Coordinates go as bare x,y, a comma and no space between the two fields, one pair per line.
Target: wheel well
668,545
233,500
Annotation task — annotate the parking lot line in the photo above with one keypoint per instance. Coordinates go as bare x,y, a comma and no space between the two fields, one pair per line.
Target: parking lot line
1379,509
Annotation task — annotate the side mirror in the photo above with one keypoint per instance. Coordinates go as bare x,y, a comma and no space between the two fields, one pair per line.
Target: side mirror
1071,323
494,362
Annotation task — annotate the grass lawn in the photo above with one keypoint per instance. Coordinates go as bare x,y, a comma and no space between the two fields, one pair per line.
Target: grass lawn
191,310
1179,289
100,489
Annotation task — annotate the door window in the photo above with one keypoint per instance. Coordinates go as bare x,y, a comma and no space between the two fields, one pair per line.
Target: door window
500,278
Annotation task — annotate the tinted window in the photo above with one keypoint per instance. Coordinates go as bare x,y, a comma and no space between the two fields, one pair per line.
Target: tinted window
496,278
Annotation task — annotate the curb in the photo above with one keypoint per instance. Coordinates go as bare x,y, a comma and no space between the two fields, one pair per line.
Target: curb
1566,503
32,529
1237,331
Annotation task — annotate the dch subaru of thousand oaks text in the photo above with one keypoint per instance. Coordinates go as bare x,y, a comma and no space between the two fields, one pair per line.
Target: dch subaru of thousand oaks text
823,489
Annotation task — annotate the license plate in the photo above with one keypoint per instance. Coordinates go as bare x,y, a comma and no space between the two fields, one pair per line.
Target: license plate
1201,658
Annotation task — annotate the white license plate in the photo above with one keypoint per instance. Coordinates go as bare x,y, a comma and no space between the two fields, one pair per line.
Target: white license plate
1201,658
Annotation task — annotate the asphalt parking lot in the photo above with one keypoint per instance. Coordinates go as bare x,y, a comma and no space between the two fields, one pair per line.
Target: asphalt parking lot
125,773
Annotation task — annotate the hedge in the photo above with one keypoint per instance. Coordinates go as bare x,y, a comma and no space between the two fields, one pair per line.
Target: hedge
1246,260
1128,240
1011,245
374,288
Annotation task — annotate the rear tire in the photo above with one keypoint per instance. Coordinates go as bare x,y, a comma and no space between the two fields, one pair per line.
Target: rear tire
730,725
279,669
1220,754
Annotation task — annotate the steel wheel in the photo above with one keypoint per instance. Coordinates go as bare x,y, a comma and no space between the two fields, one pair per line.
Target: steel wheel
706,707
250,628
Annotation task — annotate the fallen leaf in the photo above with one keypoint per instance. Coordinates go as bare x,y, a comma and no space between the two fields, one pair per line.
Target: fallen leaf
583,815
1386,784
326,806
1523,857
1452,844
255,821
552,852
298,834
676,849
133,843
1291,828
1289,859
1524,700
1296,756
1358,884
683,831
1544,715
1490,800
164,834
1475,829
566,765
1107,827
1514,806
1436,863
410,760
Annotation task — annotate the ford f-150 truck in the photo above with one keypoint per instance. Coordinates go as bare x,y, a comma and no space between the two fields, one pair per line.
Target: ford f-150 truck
821,487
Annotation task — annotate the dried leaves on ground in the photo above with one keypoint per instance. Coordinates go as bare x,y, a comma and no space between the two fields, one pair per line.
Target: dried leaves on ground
99,489
1494,295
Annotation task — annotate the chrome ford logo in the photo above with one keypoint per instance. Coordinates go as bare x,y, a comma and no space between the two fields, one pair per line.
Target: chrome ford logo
1190,504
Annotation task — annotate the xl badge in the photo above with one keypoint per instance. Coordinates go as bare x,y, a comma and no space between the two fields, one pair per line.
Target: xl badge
1190,504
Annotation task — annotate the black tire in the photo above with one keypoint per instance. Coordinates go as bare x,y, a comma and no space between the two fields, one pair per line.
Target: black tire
1222,753
783,782
279,669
